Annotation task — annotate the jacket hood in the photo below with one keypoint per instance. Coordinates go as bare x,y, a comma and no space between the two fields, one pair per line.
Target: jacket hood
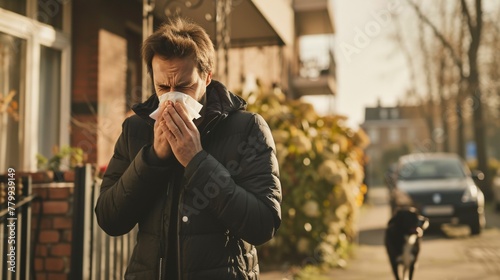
219,101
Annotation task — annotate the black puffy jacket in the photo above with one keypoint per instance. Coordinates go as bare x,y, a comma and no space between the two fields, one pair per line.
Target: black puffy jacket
228,198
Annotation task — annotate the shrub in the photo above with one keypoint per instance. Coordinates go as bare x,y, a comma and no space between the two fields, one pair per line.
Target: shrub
321,170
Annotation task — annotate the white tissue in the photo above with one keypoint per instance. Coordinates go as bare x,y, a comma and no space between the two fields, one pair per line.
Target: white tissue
192,106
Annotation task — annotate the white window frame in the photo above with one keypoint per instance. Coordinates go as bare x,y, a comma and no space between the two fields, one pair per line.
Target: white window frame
39,34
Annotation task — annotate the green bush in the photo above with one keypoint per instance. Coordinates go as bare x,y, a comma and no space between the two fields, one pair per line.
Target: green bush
321,170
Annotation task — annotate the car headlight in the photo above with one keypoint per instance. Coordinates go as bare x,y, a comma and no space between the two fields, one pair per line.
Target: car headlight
470,194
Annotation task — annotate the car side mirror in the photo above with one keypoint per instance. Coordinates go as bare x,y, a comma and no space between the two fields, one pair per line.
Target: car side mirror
477,175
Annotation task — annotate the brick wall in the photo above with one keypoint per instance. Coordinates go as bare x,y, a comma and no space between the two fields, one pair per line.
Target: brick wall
99,68
53,251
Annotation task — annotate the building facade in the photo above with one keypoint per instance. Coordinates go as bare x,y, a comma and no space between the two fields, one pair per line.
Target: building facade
393,131
70,70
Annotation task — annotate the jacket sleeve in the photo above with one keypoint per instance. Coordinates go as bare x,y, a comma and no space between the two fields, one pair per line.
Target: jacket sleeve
249,207
129,185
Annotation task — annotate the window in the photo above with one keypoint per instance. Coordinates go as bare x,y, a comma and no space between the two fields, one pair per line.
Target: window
35,65
394,113
393,134
16,6
432,169
12,65
383,114
50,12
373,134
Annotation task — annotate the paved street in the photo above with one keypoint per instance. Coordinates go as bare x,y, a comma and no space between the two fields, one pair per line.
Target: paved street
456,256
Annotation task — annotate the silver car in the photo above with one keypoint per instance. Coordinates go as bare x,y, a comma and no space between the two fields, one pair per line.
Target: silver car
441,187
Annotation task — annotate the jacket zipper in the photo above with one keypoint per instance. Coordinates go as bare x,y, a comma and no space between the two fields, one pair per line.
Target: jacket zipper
162,237
216,119
161,265
179,218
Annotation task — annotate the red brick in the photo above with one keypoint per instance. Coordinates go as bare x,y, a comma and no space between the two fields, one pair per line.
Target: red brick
41,250
61,250
58,193
55,207
41,276
54,264
69,176
67,236
42,192
58,276
62,223
49,236
35,209
39,264
45,223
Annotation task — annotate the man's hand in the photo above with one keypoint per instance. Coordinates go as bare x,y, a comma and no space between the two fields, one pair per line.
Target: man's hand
161,145
181,132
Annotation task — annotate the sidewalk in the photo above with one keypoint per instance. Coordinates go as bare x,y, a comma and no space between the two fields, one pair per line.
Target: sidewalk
369,260
464,258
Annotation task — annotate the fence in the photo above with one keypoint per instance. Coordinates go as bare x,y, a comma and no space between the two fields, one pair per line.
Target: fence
95,255
16,245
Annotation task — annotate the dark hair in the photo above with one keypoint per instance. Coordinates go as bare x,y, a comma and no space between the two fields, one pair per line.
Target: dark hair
180,38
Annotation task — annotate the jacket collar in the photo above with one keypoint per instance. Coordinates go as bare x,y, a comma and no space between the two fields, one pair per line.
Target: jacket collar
220,101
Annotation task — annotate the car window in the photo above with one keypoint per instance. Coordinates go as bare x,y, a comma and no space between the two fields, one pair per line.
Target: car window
431,169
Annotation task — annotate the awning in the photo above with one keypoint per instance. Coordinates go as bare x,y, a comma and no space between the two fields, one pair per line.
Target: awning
252,22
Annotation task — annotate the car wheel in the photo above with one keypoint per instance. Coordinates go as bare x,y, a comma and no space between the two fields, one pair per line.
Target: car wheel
477,224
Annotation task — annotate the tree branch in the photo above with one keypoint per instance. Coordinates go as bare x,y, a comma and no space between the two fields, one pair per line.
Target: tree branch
465,11
407,54
446,44
479,17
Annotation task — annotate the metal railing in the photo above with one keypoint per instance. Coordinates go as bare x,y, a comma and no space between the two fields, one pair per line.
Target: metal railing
16,244
95,255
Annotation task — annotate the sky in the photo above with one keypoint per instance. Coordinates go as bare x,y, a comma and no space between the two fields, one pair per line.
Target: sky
369,65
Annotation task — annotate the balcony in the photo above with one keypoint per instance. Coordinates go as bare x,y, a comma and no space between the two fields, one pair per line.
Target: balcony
313,17
322,85
317,70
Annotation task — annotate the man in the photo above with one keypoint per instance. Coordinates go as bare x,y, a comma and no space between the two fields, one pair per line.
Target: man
204,193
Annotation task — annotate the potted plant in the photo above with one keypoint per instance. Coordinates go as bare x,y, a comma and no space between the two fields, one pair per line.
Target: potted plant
62,162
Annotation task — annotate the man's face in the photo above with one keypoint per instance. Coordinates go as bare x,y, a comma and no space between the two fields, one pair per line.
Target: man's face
178,74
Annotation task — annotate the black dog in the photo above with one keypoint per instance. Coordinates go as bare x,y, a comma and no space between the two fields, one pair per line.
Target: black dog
402,240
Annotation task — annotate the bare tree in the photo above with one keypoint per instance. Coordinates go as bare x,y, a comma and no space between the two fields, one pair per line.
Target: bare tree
469,81
412,91
424,102
475,25
455,54
441,87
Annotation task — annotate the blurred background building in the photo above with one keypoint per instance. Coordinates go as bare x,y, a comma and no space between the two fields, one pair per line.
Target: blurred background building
393,131
70,70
